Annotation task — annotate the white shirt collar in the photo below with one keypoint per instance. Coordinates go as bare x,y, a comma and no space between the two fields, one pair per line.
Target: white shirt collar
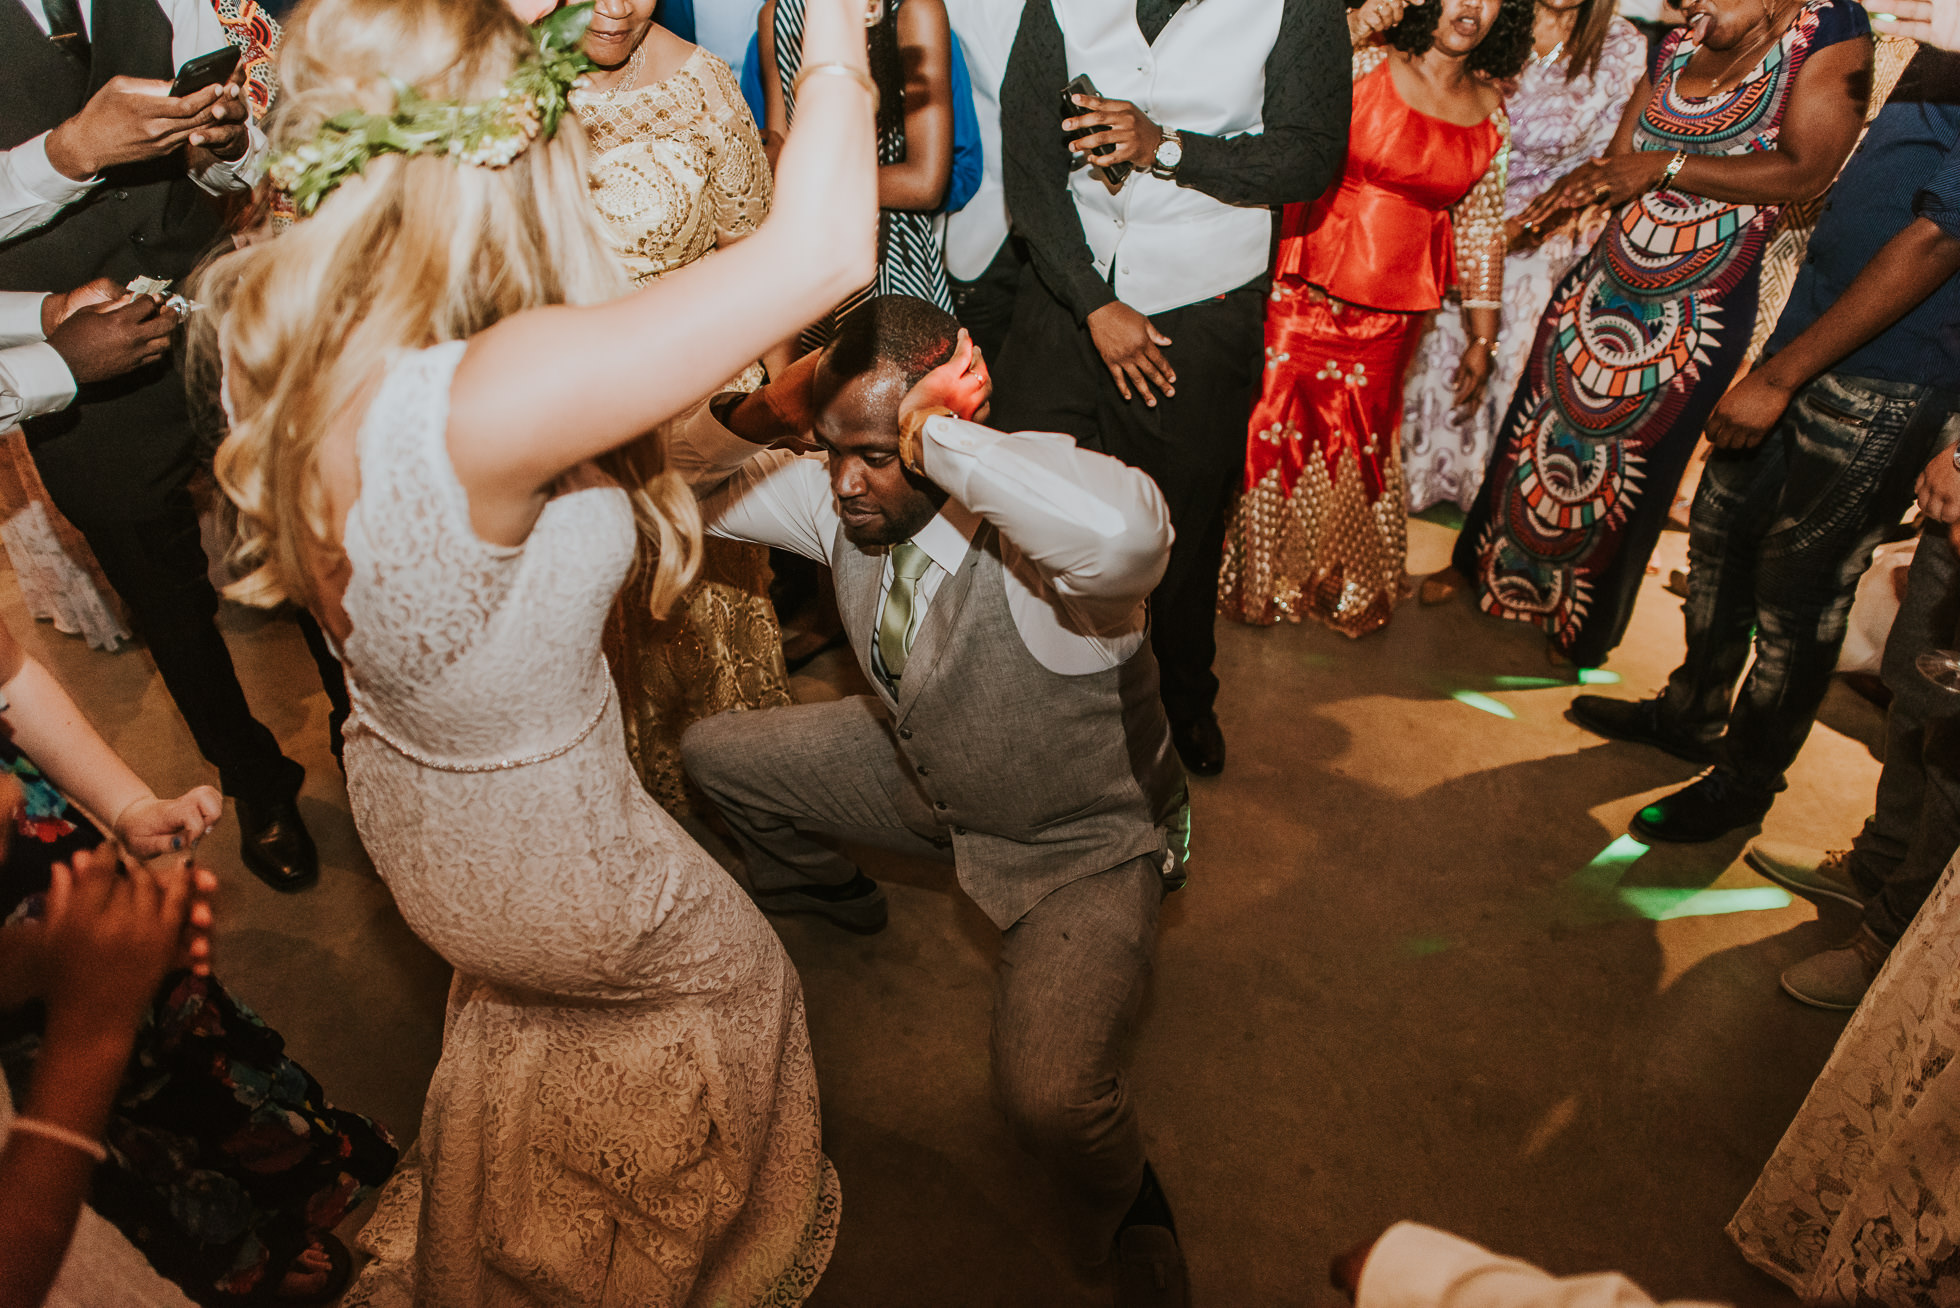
948,536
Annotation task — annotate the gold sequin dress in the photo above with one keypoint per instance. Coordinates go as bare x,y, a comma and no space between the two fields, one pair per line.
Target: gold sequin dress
1321,528
677,170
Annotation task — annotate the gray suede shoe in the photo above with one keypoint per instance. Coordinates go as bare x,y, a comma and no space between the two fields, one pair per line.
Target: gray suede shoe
1812,873
1837,979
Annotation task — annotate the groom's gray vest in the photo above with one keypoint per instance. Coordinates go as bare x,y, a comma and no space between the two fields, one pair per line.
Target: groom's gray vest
1039,778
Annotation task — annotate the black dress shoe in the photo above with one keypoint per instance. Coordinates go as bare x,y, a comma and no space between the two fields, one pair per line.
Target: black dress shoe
1638,721
1200,744
1150,1270
276,844
1711,806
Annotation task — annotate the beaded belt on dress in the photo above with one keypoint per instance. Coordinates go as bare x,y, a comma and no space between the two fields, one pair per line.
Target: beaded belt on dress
503,764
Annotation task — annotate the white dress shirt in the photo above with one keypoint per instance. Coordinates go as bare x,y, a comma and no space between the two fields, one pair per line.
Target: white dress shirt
985,30
33,378
32,192
1084,537
1415,1266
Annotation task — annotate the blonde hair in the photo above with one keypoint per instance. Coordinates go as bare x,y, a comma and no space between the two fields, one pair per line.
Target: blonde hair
418,250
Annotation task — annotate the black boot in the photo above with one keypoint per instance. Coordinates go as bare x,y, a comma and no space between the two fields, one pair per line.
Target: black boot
1639,721
1714,804
1200,744
1150,1268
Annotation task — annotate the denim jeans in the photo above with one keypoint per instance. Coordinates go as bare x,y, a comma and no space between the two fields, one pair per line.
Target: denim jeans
1915,823
1777,540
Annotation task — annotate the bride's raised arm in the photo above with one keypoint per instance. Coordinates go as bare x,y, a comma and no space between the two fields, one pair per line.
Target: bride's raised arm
549,388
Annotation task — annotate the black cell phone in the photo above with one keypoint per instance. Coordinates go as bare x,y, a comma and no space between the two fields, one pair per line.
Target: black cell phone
1112,174
205,70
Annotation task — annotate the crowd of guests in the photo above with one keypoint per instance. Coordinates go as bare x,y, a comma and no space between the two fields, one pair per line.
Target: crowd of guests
1034,337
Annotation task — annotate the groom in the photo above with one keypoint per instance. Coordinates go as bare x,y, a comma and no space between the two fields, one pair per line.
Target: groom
993,587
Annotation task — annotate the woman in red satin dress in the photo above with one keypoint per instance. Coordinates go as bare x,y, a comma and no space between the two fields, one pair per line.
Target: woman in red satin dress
1321,528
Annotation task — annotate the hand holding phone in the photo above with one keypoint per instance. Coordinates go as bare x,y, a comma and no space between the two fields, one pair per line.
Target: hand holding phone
1112,175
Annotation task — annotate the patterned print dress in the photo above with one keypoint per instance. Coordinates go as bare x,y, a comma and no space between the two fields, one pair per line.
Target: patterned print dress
1557,123
911,245
1638,343
225,1156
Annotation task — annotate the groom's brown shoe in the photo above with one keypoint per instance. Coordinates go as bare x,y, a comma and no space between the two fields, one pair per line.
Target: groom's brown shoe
858,905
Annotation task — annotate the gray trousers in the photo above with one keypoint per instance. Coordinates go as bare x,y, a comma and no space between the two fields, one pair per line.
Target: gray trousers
790,781
1915,824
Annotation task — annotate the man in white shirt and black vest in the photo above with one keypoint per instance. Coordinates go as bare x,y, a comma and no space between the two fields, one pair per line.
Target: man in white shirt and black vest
1138,328
993,587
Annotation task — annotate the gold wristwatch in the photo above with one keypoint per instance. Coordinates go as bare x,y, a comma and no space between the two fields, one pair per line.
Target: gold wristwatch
911,436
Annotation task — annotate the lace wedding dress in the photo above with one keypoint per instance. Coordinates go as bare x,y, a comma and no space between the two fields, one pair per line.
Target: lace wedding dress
625,1112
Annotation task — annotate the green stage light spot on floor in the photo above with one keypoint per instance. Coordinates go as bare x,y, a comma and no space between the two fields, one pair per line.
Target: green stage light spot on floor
1608,866
1663,903
1478,700
1424,946
1598,677
1525,683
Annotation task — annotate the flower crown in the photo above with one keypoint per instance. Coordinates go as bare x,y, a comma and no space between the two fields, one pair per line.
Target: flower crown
486,134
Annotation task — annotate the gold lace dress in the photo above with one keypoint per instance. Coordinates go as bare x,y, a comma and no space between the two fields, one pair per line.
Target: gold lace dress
677,170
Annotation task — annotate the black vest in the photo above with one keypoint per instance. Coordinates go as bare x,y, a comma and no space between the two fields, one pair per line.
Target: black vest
125,445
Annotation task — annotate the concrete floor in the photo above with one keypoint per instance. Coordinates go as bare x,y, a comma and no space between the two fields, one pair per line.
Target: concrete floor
1403,982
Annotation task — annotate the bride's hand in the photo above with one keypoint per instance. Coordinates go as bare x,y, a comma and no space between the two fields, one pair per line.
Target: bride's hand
960,384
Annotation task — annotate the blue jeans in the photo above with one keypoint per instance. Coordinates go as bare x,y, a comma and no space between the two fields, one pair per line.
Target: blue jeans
1777,540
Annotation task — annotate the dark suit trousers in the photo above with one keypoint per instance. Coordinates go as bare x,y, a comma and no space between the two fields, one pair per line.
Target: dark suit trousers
1050,377
157,565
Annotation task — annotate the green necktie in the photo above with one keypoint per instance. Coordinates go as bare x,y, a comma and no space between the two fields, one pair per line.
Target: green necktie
909,563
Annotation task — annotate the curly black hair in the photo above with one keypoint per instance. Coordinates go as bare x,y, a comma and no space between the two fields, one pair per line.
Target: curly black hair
1500,55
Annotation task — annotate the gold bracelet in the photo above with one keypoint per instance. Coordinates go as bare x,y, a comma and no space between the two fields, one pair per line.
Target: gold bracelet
911,436
1673,167
62,1135
857,75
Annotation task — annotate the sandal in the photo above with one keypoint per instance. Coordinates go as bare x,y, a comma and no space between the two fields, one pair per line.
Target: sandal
340,1274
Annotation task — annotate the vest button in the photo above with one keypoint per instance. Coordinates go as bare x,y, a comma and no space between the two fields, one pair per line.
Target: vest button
905,733
939,804
138,239
122,195
959,831
922,771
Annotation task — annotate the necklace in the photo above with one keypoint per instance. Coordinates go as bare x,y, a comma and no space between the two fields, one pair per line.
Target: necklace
1550,57
1774,33
630,77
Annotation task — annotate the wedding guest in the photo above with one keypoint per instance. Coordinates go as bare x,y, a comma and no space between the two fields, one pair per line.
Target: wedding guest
108,939
1320,529
1859,379
625,1110
993,588
1585,62
1136,328
1755,104
227,1166
677,172
911,61
87,115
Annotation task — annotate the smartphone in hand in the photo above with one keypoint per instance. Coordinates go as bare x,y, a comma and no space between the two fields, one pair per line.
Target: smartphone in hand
205,70
1112,175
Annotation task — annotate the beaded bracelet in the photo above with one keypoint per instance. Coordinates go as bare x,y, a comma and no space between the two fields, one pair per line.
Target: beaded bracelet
857,75
62,1135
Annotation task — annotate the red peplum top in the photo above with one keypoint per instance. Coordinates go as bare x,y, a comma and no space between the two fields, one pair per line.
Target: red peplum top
1382,236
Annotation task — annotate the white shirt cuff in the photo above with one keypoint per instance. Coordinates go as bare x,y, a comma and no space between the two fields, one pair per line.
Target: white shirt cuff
20,317
240,174
39,377
41,179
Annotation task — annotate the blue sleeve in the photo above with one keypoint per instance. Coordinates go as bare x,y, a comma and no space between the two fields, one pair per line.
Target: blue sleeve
964,180
1840,20
677,16
752,79
1939,199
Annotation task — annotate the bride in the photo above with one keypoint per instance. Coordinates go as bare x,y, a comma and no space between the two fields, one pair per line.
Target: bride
418,376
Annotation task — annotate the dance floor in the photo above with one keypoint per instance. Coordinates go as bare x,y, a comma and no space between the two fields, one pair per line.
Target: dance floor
1420,971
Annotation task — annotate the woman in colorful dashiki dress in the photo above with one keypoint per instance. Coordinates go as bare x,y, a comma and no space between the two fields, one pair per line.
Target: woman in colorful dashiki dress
1643,336
1585,64
1320,528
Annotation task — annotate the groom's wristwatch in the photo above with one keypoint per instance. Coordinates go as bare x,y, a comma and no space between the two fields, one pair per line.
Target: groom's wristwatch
911,436
1170,153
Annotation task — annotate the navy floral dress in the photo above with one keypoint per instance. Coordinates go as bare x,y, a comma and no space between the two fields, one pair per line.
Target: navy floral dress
225,1157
